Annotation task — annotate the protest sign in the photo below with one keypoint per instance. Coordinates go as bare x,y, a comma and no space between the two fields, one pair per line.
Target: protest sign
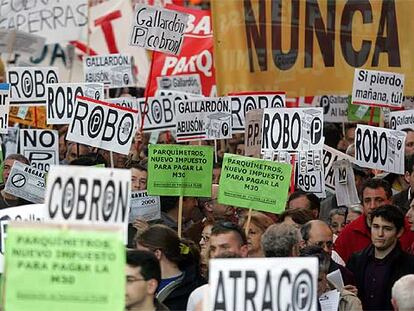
114,70
15,41
241,103
292,129
253,183
126,102
4,107
265,47
40,147
31,212
380,148
57,20
253,133
71,268
263,284
358,113
158,29
203,119
144,206
335,107
103,125
34,116
26,182
400,120
89,195
377,88
331,155
177,170
10,140
345,189
158,2
196,56
190,83
28,84
309,172
62,99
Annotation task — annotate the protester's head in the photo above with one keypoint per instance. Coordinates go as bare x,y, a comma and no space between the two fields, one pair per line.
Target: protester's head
302,199
403,294
337,220
332,134
387,226
259,222
75,150
324,262
171,204
354,211
204,244
167,247
409,170
90,159
138,175
410,215
213,209
165,137
317,232
143,275
375,193
8,164
361,175
298,216
281,240
227,237
409,141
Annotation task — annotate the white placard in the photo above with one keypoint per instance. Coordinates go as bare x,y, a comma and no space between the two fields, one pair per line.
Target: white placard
203,119
88,195
126,102
56,20
253,133
377,88
10,141
335,107
263,284
309,172
28,84
15,41
331,155
61,99
26,182
40,147
241,104
31,212
380,148
292,129
400,120
158,29
113,70
189,83
345,188
144,206
103,125
4,107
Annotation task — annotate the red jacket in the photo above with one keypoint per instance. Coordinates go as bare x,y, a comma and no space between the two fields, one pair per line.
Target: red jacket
356,236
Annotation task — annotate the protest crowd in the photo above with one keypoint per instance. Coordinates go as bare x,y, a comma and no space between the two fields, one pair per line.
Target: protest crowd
165,155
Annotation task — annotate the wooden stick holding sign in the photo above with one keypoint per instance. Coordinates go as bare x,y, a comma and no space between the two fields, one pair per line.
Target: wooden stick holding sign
371,115
111,155
180,216
249,219
144,110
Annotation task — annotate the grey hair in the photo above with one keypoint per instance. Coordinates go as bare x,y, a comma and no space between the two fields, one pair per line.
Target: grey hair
402,293
279,240
18,157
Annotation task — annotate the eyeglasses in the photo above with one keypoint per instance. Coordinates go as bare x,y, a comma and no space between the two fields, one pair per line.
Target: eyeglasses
323,244
133,280
205,238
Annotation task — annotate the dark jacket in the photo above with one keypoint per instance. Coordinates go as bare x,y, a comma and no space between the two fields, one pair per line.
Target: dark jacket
401,200
401,263
175,295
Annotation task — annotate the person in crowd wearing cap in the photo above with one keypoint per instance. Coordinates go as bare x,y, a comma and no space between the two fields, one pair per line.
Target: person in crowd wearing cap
357,235
143,275
378,266
403,294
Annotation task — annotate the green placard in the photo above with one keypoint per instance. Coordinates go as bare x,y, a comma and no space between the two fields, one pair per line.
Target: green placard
356,113
177,170
62,269
253,183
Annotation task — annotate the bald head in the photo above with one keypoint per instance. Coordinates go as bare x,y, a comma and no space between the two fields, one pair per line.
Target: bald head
317,232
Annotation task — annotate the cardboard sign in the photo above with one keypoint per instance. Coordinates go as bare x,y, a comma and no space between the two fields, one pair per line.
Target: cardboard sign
377,88
292,129
26,182
335,107
263,283
68,268
309,172
358,113
34,116
158,29
253,183
31,212
177,170
114,70
203,119
103,125
400,120
380,148
41,147
10,140
196,56
28,84
126,102
190,83
88,195
253,133
4,107
144,206
15,41
345,189
62,99
240,104
57,21
330,156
